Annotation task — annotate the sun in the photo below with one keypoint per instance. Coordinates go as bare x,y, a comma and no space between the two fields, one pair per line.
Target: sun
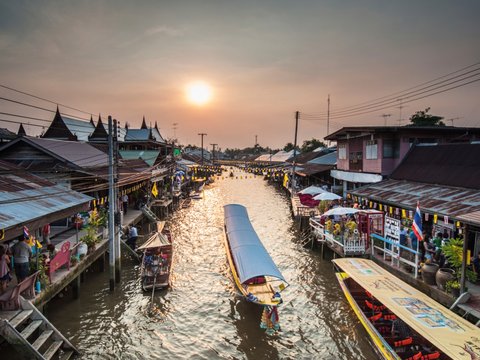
199,93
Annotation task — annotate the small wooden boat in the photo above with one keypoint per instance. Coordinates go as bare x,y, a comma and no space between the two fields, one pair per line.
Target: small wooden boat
402,322
156,260
254,272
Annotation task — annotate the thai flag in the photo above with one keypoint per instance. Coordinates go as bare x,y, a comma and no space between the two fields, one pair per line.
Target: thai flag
417,224
26,233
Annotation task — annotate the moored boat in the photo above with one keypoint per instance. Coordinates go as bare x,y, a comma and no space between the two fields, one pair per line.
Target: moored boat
156,260
402,322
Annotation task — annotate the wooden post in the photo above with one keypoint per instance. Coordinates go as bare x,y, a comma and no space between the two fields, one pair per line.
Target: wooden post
464,259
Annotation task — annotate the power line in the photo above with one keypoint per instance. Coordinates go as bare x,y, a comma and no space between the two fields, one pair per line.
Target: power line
397,94
411,98
47,100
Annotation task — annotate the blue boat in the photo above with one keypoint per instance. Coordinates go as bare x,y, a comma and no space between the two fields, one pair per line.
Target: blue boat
255,274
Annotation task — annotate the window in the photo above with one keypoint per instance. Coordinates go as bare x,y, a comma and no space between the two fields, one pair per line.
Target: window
391,148
342,152
371,152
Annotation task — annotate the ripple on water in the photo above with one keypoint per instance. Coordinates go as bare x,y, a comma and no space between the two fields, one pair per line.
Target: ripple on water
201,316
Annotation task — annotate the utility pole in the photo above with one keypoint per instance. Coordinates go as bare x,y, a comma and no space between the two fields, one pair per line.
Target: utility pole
213,153
202,135
111,207
328,115
174,132
400,107
385,116
118,255
256,143
297,116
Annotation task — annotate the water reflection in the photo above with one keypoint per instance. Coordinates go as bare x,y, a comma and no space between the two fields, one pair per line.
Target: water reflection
200,316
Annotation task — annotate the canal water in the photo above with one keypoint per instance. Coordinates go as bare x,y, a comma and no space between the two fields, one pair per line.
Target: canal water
201,316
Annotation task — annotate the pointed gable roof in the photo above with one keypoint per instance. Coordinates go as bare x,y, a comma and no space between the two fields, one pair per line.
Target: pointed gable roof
100,133
65,128
91,120
21,131
144,124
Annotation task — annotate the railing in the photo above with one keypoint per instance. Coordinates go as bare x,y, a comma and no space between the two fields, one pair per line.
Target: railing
351,244
393,250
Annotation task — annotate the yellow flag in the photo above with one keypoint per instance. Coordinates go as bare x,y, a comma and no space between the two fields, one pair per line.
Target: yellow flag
154,189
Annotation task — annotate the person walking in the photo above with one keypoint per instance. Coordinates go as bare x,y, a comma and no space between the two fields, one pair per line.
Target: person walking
5,276
46,234
132,237
125,204
21,254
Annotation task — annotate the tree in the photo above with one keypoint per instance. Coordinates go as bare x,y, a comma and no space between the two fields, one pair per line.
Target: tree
310,145
289,147
422,118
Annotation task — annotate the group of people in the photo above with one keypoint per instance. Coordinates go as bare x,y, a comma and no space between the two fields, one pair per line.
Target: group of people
19,256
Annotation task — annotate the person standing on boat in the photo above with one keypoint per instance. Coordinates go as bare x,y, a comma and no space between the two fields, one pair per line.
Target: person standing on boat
132,237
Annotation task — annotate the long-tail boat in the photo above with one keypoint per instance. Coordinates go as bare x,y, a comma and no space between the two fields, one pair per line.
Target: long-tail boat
254,272
402,322
156,260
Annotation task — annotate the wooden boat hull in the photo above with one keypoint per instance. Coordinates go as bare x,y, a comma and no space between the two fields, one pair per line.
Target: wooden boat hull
157,265
382,348
263,292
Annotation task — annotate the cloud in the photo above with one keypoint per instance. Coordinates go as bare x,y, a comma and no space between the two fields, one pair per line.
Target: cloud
163,30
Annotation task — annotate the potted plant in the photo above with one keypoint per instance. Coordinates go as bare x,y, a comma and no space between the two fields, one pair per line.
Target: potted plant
453,287
453,251
73,260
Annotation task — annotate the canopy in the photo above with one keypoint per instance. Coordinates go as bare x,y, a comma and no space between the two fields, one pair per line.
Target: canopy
156,240
443,328
250,256
341,211
312,190
327,196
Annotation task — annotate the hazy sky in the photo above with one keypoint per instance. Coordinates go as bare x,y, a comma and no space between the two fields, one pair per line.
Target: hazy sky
263,59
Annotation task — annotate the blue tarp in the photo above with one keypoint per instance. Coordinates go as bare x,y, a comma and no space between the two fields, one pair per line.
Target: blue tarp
250,256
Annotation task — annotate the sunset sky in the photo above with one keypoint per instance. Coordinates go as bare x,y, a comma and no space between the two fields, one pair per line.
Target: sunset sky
263,60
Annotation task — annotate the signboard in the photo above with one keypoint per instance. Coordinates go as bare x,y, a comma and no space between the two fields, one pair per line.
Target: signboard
392,233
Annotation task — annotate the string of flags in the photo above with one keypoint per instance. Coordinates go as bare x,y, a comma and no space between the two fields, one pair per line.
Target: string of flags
403,213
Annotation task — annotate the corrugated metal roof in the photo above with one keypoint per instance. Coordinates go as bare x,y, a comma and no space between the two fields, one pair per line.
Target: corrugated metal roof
81,154
471,218
157,136
328,159
310,169
82,129
138,135
282,156
436,199
447,164
149,156
22,206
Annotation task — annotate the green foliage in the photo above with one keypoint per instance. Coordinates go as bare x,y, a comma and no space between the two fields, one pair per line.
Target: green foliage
422,118
310,145
453,251
452,284
289,146
91,238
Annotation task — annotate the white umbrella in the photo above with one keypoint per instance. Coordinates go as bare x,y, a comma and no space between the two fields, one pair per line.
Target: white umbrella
327,196
312,190
340,211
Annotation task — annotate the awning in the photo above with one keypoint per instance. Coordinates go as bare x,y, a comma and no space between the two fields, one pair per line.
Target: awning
36,207
355,177
250,256
308,169
443,328
458,203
